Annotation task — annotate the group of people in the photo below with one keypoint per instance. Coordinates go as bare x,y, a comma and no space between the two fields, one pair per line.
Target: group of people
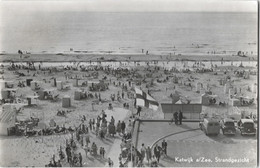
103,128
152,156
177,117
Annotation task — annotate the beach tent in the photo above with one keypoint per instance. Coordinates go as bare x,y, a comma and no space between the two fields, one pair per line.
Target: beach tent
235,102
59,85
43,94
7,118
246,75
207,99
41,125
35,85
222,81
253,88
28,82
198,86
75,82
175,79
2,84
77,95
8,113
6,84
66,101
32,100
53,82
227,86
7,93
83,82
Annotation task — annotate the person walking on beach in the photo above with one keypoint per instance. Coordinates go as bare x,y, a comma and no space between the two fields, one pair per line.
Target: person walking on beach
86,149
148,154
118,127
110,162
180,117
143,151
90,125
164,147
80,159
123,127
157,152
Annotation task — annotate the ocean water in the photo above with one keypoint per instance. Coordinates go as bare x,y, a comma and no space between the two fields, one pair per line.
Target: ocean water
158,33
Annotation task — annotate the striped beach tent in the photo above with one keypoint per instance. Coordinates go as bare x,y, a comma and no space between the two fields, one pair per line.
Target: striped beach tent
145,100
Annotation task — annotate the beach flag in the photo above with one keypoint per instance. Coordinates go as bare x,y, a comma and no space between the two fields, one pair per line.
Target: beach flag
145,100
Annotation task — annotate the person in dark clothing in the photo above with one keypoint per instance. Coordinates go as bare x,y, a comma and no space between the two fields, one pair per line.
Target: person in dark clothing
164,147
123,127
139,110
80,159
180,116
157,152
176,117
68,152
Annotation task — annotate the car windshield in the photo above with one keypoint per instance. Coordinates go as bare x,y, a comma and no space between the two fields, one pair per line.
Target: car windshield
248,125
229,124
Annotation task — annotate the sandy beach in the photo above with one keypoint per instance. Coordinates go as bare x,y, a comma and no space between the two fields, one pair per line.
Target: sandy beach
15,150
60,57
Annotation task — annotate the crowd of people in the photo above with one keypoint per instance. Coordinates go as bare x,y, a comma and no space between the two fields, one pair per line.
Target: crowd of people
80,139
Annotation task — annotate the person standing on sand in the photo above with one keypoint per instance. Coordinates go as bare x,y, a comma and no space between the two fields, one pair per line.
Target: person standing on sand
175,115
139,110
148,154
123,127
110,162
86,149
164,147
90,125
80,159
157,152
180,117
143,151
118,127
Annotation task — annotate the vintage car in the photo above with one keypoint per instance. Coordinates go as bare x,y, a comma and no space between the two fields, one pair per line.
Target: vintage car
227,126
210,126
247,127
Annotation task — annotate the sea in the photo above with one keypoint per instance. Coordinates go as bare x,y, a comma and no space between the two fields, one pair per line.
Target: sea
162,33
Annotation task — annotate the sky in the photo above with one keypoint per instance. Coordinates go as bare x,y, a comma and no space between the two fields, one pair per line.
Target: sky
16,6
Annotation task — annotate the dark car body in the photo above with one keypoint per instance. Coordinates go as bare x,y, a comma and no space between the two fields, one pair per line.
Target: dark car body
228,126
247,127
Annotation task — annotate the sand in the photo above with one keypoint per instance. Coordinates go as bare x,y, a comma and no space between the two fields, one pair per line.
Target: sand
37,151
119,57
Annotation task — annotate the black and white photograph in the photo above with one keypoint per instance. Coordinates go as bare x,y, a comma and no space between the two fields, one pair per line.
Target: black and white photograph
129,83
